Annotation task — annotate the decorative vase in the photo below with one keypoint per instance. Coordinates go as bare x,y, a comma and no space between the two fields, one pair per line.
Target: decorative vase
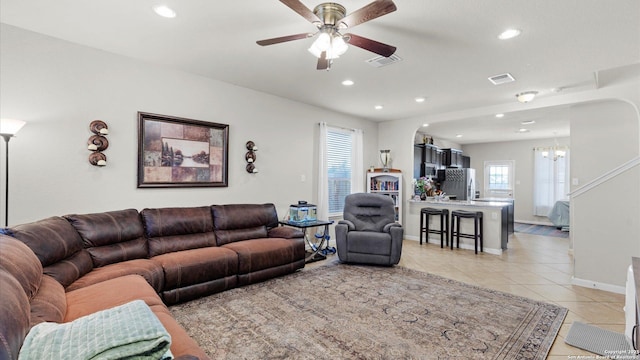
423,196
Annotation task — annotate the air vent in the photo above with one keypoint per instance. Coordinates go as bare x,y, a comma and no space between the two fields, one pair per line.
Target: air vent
502,79
381,61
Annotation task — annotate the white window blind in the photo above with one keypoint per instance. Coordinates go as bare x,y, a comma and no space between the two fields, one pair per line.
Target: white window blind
339,167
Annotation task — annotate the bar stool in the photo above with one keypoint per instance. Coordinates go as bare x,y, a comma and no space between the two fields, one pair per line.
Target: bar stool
444,224
477,235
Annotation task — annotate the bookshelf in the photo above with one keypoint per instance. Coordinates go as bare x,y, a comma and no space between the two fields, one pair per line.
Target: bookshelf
387,183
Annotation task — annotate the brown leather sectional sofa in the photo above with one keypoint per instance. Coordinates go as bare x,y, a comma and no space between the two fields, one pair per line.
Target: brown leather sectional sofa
76,265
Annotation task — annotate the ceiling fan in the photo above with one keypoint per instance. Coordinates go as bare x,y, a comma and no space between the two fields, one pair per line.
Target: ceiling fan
330,19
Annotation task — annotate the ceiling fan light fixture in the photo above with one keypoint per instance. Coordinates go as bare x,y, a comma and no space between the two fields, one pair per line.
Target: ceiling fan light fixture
526,96
333,44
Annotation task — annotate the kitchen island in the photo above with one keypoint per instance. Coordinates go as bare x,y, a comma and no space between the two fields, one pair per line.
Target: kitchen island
495,222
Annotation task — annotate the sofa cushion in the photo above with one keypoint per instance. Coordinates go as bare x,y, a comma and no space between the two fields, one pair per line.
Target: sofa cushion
189,267
69,270
109,293
369,212
122,290
176,229
259,254
14,316
111,237
128,331
50,303
146,268
237,222
369,242
19,261
181,343
58,246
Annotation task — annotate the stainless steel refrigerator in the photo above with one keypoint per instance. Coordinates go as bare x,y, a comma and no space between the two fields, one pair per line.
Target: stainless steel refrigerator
461,183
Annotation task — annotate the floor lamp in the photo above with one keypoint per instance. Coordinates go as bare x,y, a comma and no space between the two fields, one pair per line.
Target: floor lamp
8,129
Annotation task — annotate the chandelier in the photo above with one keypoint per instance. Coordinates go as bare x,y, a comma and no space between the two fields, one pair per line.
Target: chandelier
555,153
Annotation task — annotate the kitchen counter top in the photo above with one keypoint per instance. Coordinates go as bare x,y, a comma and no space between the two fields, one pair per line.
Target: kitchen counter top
472,203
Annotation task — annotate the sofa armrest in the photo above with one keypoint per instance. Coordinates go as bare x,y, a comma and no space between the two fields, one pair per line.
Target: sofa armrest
285,232
350,225
387,228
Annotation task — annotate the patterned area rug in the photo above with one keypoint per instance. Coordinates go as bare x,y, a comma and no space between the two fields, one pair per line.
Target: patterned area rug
540,230
341,311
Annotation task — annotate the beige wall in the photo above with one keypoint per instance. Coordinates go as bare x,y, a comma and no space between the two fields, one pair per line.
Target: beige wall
59,88
606,220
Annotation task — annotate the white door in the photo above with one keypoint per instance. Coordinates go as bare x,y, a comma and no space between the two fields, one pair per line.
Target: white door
499,179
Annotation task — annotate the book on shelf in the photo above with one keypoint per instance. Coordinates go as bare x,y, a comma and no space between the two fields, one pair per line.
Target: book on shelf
382,185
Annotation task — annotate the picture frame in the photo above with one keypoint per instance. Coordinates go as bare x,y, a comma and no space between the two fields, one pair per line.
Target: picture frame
179,152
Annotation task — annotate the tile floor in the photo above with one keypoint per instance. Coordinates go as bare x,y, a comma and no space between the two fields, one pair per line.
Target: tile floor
537,267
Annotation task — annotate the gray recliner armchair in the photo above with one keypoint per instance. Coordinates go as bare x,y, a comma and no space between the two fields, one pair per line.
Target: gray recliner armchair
368,233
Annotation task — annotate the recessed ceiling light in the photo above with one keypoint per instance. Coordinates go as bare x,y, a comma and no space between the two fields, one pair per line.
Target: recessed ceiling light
348,82
378,107
459,135
420,99
499,115
425,125
528,122
509,34
523,130
164,11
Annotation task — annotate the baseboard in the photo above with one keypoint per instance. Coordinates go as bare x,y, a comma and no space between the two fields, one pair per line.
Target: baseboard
545,223
598,285
462,246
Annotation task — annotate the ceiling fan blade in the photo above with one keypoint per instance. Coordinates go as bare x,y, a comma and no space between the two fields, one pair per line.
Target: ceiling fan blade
371,45
323,62
304,11
282,39
368,12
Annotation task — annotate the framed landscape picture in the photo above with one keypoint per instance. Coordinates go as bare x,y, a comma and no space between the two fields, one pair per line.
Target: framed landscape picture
178,152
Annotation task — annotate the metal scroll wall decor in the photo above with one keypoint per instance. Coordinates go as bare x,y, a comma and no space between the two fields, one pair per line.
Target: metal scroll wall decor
250,156
98,143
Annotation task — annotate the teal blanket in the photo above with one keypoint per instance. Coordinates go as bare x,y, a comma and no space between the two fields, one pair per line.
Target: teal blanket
129,331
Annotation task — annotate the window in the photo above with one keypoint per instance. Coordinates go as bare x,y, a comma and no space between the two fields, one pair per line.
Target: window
551,174
498,178
341,169
339,145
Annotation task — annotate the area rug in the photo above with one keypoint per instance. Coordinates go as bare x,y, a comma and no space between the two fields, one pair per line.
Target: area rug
339,311
540,230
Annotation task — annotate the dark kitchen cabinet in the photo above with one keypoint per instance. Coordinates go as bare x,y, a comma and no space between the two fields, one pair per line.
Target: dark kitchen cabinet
426,158
452,158
439,159
466,162
430,154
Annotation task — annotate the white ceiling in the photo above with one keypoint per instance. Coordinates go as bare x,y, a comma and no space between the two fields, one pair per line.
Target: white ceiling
448,48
